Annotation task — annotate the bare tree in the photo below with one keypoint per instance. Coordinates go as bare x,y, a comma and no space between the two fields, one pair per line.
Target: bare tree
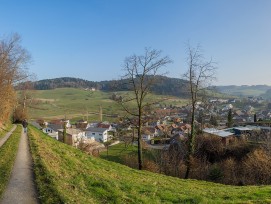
13,61
25,99
200,74
141,73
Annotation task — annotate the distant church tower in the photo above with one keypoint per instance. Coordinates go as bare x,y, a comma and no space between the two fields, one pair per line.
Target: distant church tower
101,114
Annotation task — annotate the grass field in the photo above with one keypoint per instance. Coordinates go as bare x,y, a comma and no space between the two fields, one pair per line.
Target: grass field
75,103
72,103
7,157
116,152
67,175
5,129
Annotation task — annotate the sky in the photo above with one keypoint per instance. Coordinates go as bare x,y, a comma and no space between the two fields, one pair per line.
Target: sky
90,39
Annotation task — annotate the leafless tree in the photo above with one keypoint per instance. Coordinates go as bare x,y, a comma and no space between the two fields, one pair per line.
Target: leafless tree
140,74
13,62
200,74
26,95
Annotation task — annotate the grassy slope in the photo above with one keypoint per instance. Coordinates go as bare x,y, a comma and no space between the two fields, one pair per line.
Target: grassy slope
7,157
116,152
5,129
66,175
75,103
70,101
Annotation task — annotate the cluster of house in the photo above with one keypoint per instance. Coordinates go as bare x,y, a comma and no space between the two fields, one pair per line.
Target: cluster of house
247,113
174,121
163,124
101,132
167,122
82,131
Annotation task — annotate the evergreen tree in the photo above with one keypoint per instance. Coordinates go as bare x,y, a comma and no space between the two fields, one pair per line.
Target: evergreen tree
255,118
230,122
213,121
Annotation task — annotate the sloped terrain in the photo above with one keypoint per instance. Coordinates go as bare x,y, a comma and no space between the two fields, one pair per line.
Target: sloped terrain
67,175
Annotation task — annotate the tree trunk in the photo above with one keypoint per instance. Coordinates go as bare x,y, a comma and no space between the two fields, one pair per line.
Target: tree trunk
191,144
140,162
139,140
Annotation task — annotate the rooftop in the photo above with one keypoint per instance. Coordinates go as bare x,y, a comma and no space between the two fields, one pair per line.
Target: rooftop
220,133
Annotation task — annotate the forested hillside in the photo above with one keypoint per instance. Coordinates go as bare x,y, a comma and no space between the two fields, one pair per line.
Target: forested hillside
166,85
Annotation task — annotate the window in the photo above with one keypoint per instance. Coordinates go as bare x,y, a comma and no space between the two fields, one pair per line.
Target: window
93,133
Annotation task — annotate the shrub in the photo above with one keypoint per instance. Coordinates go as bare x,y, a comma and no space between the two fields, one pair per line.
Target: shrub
215,173
257,167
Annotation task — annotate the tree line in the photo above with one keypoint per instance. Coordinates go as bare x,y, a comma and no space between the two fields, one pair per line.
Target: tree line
166,85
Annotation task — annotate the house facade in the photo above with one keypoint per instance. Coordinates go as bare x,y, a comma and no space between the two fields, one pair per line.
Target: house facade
98,134
52,133
73,136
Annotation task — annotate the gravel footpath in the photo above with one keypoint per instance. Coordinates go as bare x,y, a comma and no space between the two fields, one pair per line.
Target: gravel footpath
21,187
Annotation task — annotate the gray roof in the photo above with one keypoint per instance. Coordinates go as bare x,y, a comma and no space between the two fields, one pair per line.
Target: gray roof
220,133
55,127
242,128
94,129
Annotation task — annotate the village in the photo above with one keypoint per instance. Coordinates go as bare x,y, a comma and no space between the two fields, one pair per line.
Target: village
165,125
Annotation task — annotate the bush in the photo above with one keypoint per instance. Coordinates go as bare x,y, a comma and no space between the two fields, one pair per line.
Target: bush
257,167
215,173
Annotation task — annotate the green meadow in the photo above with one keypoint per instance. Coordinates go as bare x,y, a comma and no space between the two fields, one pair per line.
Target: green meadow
81,104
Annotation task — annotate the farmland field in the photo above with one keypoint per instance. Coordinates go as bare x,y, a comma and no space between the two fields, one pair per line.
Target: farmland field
76,103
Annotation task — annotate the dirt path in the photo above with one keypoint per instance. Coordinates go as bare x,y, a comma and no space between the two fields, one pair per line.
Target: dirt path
21,188
4,139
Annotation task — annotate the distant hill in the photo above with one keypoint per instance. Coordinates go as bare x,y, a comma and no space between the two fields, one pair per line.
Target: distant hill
63,82
166,85
267,94
244,90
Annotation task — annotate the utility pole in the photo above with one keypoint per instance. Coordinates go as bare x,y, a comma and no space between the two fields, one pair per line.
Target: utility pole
101,114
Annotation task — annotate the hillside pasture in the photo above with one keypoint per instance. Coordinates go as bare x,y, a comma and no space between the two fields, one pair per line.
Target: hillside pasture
82,104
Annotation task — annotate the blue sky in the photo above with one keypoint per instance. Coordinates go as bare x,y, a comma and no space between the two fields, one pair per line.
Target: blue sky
90,39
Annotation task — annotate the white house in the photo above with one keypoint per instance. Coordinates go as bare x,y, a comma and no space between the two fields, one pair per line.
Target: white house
52,130
99,134
227,107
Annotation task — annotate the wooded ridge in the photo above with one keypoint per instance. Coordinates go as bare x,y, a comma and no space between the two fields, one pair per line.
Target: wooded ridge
166,85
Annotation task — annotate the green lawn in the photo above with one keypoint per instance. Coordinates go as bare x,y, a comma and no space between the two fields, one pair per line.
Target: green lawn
67,175
117,152
7,157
